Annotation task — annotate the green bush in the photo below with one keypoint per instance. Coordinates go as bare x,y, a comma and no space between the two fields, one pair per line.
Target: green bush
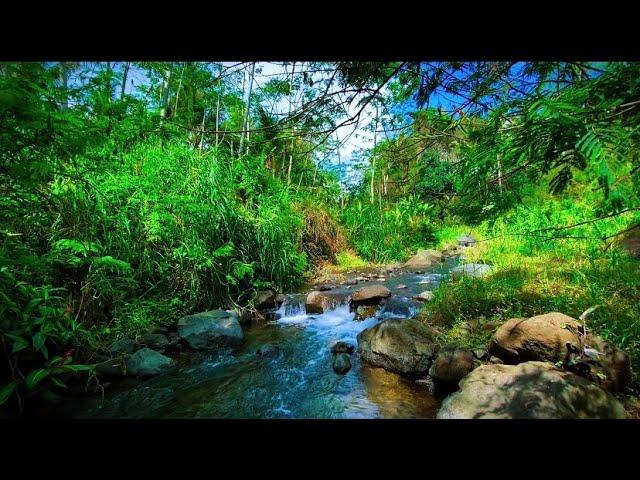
393,232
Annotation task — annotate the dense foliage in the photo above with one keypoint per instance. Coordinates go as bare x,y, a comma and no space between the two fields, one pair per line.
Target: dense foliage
122,208
116,216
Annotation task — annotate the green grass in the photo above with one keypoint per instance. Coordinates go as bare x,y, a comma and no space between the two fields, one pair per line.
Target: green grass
534,276
388,233
348,260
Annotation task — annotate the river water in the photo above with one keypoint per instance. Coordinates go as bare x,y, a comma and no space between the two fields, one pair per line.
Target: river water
295,380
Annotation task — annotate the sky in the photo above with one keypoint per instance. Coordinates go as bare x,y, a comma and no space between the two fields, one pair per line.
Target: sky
354,139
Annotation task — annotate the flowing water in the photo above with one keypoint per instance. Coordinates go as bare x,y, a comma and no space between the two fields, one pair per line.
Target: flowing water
295,380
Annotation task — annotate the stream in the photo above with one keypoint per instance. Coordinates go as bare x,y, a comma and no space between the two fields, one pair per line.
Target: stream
294,380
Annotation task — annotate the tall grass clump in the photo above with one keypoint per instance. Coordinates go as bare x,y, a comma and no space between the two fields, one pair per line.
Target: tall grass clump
388,232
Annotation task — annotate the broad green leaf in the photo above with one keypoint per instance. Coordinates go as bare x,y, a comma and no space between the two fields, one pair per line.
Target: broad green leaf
19,343
77,368
35,377
7,390
38,340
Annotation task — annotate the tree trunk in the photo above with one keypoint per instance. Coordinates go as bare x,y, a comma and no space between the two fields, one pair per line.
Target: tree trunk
175,106
499,174
340,174
217,119
245,122
64,81
165,93
125,74
293,69
373,157
109,83
204,115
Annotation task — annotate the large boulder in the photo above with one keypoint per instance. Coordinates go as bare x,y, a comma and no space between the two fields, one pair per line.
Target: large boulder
424,259
452,365
471,270
543,337
265,299
146,362
403,346
123,346
370,295
211,330
555,337
319,302
530,390
156,341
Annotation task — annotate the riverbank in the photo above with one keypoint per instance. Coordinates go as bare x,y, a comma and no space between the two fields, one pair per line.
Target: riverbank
408,358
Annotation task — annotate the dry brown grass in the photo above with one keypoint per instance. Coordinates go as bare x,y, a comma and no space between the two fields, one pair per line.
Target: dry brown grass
322,237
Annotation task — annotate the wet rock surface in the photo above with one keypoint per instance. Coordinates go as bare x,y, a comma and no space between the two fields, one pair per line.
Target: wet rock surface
146,362
245,317
342,347
211,330
112,368
281,369
156,341
123,346
319,302
370,295
341,363
403,346
265,299
268,350
365,311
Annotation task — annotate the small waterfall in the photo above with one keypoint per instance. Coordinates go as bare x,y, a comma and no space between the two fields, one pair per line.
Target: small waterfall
399,307
293,305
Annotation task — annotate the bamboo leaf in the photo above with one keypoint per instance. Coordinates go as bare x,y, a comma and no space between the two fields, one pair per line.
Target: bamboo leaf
7,390
35,377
